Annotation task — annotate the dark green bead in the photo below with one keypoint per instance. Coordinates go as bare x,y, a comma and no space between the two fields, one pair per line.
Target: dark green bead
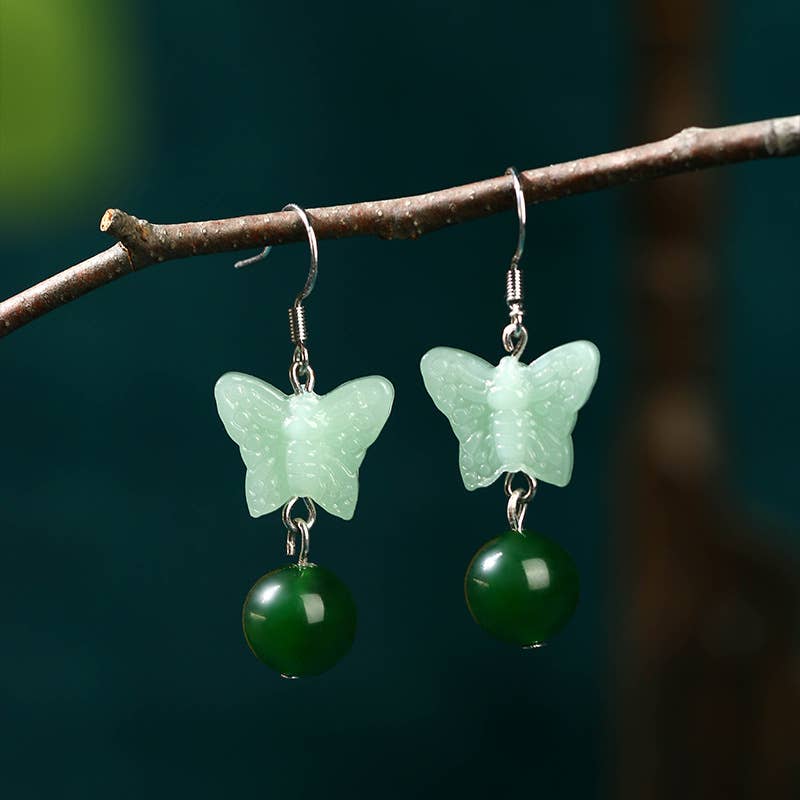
299,620
521,588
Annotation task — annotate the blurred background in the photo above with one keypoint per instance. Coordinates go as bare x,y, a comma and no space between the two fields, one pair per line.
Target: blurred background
126,544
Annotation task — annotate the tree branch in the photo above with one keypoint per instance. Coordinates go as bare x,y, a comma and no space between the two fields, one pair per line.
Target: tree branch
141,243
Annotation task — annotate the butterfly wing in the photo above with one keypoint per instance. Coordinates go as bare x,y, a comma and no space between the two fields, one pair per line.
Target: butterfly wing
350,417
458,382
253,412
559,383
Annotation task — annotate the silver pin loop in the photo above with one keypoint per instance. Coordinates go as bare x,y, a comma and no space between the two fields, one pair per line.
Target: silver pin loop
518,499
302,529
298,525
515,337
302,377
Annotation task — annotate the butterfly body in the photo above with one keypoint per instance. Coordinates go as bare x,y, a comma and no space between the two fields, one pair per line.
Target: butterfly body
302,445
513,417
508,390
302,420
303,441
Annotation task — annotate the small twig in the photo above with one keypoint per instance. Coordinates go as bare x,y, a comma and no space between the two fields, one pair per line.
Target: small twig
141,243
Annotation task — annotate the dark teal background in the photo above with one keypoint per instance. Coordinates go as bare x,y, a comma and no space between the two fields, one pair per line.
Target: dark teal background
126,544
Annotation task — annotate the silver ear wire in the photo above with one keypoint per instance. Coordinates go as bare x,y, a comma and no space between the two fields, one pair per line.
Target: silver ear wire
313,267
298,327
312,243
245,262
300,370
521,215
515,335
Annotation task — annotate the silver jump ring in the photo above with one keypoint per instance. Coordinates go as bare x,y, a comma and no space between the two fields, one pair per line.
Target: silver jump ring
300,353
518,499
515,337
301,376
530,489
291,522
298,525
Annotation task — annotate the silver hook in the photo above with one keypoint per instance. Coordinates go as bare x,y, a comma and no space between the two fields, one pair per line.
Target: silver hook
521,215
298,328
313,267
312,243
515,335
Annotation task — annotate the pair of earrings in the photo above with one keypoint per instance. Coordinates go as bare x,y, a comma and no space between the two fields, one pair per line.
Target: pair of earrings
509,420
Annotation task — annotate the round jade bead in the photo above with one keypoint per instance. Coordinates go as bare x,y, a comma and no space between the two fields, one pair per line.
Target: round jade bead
299,620
521,588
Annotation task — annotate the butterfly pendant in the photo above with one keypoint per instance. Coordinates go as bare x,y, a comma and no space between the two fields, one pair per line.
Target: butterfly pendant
302,445
512,417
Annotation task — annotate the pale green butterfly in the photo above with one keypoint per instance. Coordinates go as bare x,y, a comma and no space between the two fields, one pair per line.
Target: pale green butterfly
512,417
302,445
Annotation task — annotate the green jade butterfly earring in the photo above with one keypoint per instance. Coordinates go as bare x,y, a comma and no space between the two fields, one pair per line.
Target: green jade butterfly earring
300,619
516,419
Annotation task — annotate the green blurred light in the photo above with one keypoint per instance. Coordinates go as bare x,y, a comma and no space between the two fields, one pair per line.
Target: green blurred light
65,103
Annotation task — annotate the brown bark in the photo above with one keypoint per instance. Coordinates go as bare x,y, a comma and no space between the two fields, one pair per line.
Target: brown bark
141,243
